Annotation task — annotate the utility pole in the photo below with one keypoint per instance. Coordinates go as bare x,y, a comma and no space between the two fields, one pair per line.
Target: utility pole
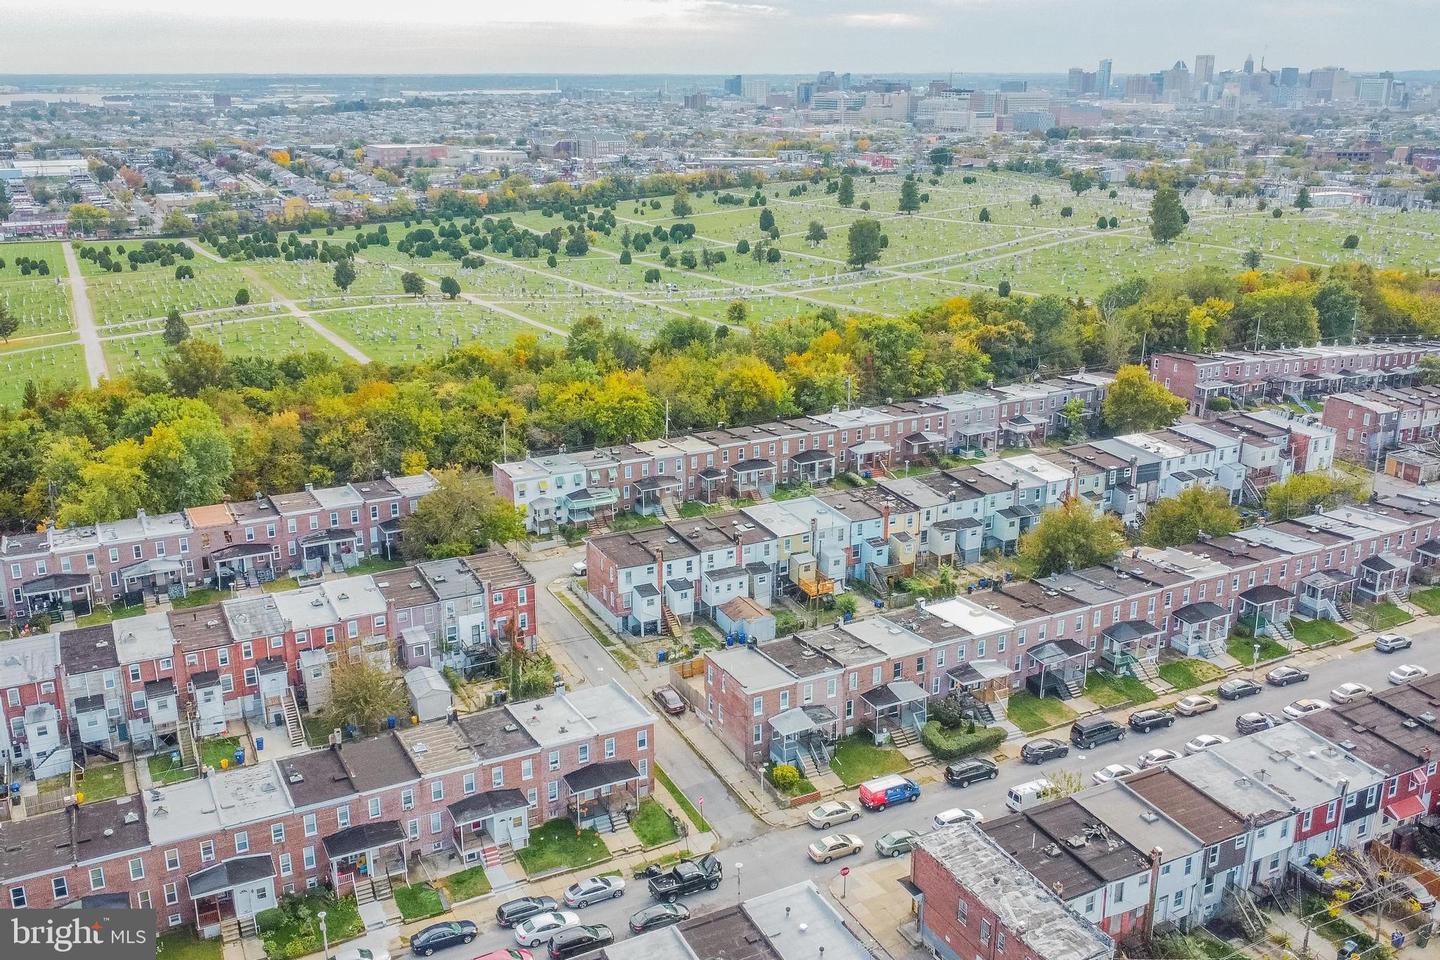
666,434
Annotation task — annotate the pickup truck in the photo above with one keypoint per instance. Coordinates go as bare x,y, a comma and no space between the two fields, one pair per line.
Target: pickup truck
686,877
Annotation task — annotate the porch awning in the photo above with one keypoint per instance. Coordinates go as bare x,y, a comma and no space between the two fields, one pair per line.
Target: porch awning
239,551
1405,808
100,901
711,475
807,457
1329,578
1202,612
978,671
488,804
893,693
1053,652
597,775
149,568
1265,594
232,873
651,484
363,838
1127,631
792,722
753,466
924,438
1386,561
333,535
54,583
1431,548
870,447
583,498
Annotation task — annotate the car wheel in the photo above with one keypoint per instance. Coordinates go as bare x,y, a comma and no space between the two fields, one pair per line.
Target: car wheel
993,774
468,938
826,860
670,898
880,809
893,854
617,894
713,885
427,951
913,798
854,817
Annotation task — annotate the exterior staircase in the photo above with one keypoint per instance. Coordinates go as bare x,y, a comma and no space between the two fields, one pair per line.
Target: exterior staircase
671,621
248,927
668,509
1249,493
230,930
494,854
724,502
185,743
1145,670
602,822
1212,648
1074,686
902,735
1282,631
1400,595
293,727
381,886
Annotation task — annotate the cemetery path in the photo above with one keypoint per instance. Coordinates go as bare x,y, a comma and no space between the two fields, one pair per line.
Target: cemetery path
95,363
481,301
208,255
340,343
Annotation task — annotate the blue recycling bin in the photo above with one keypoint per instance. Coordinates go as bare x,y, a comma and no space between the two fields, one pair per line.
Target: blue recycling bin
259,744
390,721
240,757
662,655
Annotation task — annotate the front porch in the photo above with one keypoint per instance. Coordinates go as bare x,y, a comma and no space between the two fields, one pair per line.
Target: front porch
895,711
1126,648
1202,629
813,466
242,562
337,549
589,506
1326,594
652,492
1024,431
485,822
238,888
601,793
982,687
872,456
367,852
1057,668
753,479
1266,610
160,576
60,596
1384,576
803,736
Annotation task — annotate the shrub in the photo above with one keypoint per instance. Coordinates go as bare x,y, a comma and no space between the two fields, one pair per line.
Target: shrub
1219,404
784,776
948,743
950,713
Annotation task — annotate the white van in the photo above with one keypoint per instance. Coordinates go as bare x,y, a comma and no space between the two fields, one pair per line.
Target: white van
1025,795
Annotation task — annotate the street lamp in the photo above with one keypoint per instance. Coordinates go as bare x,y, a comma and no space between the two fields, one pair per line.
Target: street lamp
1255,659
737,878
324,934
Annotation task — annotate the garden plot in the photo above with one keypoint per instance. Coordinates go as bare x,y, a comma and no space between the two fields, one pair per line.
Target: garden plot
415,331
56,365
273,337
125,297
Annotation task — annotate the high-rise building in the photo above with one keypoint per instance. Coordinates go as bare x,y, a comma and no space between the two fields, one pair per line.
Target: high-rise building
732,86
1102,78
1077,80
1249,64
755,91
804,93
1289,76
825,80
1204,68
1014,86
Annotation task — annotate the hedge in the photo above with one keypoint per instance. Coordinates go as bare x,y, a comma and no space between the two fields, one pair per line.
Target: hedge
952,744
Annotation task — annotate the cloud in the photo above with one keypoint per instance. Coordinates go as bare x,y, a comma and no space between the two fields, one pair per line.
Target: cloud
888,20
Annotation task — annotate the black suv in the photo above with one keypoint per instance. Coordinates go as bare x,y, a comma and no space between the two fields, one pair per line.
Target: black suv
513,911
1088,732
578,940
1042,749
966,772
686,877
1237,688
1143,721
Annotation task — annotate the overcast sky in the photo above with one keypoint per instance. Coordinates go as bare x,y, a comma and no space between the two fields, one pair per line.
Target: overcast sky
705,36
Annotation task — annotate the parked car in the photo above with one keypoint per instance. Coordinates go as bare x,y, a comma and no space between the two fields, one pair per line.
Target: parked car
582,893
1237,688
835,846
896,843
686,877
1284,675
1113,771
512,912
1348,693
1256,721
882,792
582,939
1155,758
438,936
669,700
948,818
658,915
1042,749
1391,642
1305,707
965,772
1204,742
1089,732
541,927
1143,721
1195,704
1407,672
578,569
825,815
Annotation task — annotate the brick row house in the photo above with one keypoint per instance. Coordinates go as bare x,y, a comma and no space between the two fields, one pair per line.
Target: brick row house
1172,845
1371,423
66,571
1043,635
137,679
1304,372
647,477
225,846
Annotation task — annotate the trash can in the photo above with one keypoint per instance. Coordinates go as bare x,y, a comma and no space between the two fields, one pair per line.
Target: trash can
259,744
662,656
240,757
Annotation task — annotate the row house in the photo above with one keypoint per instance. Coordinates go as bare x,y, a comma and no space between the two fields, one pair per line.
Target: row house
1370,423
220,849
64,572
751,461
32,699
1304,372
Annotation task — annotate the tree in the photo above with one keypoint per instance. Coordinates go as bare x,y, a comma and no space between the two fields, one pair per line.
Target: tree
1069,537
742,246
242,297
1063,783
1430,370
767,220
344,274
176,329
1135,403
450,287
680,205
1034,200
1304,493
363,696
86,218
1251,259
1003,289
909,196
1101,223
816,233
578,245
772,254
412,283
1166,222
846,192
1302,199
1080,181
1432,193
1178,520
940,156
1074,414
1351,242
984,214
863,242
736,313
462,515
176,224
1337,306
9,323
1279,316
625,258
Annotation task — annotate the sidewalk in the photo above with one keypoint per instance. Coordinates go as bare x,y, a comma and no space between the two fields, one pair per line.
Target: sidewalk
872,896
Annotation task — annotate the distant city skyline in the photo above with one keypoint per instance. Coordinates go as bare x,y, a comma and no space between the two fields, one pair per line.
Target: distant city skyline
711,36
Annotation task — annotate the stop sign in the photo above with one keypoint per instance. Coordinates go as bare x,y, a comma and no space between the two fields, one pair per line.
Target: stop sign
844,871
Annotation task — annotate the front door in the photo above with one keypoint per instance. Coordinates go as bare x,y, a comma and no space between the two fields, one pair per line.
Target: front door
253,899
